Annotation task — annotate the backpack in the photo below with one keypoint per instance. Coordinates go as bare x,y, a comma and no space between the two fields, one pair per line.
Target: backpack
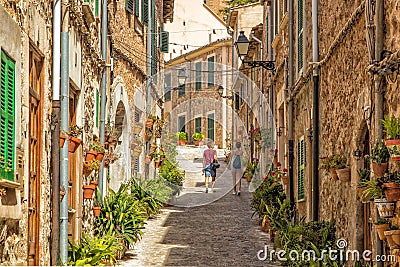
237,163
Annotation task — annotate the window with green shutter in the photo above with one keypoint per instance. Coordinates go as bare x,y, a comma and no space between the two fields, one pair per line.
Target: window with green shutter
145,12
167,87
97,8
164,41
197,125
211,79
7,91
301,160
137,6
198,76
300,35
130,6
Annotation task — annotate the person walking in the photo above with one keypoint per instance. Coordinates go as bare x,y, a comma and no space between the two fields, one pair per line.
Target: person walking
236,168
209,155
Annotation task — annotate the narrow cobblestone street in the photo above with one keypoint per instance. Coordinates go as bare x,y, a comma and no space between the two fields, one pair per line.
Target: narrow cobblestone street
222,233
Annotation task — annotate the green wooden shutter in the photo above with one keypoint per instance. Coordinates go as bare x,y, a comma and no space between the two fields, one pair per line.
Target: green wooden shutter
198,75
198,125
211,71
300,35
164,41
137,6
129,6
145,12
301,159
7,124
154,55
97,8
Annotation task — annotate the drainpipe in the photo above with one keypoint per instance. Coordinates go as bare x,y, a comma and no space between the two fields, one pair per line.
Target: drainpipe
261,70
64,161
55,139
315,145
379,35
148,82
290,111
103,99
233,91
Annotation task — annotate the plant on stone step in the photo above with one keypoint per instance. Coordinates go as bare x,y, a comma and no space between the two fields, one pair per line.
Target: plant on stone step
373,190
97,146
364,175
379,154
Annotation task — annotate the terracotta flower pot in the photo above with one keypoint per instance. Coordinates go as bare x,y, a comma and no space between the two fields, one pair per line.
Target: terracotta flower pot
100,156
157,164
396,237
96,211
389,239
149,123
360,190
381,228
182,142
379,170
95,183
86,170
73,144
334,174
385,208
343,174
148,159
153,148
392,191
196,143
88,191
62,139
394,149
393,238
90,155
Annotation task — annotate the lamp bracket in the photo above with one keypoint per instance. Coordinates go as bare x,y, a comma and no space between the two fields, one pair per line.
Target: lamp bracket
268,65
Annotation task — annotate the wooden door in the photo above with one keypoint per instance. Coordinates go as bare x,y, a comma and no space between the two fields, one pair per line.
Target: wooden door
35,118
367,224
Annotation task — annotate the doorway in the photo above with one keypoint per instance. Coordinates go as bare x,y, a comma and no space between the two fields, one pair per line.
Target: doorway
35,122
367,224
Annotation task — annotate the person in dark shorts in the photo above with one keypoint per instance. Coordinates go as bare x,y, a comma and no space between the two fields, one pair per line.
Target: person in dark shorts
209,156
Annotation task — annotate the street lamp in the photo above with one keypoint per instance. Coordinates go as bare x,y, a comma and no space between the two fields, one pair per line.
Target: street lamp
181,77
242,46
221,92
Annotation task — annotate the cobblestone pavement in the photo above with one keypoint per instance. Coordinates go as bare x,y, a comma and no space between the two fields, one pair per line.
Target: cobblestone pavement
221,233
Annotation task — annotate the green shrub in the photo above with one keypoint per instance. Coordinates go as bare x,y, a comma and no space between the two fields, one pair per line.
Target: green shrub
182,136
392,127
198,136
94,251
169,171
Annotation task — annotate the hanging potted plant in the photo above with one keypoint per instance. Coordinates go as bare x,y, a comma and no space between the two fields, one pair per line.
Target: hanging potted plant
327,164
197,138
88,191
150,121
364,175
159,124
182,138
111,135
153,147
392,130
137,127
98,148
97,204
110,158
391,186
148,134
385,208
63,136
73,141
158,156
89,167
136,151
381,226
342,169
148,159
379,158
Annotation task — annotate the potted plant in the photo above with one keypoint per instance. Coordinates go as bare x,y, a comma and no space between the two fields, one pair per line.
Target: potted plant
371,190
136,151
392,130
111,135
148,134
327,165
153,147
364,175
391,185
393,237
379,158
88,191
98,148
158,156
197,137
339,162
90,166
159,124
110,158
137,127
74,141
381,226
182,138
150,121
97,204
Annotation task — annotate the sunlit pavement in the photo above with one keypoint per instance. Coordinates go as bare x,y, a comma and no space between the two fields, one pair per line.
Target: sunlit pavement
221,233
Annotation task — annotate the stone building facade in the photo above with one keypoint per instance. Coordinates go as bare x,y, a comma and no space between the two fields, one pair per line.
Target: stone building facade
346,99
197,106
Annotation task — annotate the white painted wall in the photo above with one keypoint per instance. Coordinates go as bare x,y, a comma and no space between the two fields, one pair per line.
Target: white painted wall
193,23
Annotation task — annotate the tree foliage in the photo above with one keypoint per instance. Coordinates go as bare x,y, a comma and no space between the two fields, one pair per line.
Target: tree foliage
234,3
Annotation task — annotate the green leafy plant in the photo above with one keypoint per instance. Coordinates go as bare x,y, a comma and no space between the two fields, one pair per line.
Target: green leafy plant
75,131
122,216
154,118
170,172
379,154
94,251
392,127
381,221
93,165
334,161
182,136
364,174
198,136
373,190
97,146
393,177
